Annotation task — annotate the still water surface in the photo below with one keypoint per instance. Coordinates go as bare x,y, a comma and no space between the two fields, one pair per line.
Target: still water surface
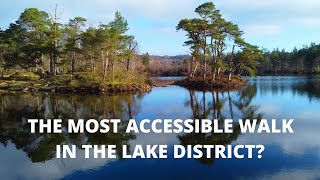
287,156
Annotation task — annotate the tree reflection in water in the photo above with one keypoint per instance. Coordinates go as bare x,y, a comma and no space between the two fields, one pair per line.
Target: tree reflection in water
16,109
220,106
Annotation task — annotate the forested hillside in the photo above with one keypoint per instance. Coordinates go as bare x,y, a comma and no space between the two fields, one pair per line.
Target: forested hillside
299,61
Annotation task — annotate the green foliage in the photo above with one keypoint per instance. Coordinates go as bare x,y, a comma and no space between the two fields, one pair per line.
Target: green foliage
25,39
146,59
205,10
303,61
209,37
73,30
119,23
248,59
36,41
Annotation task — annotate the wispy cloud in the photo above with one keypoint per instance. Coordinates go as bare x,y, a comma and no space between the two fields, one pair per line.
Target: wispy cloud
260,29
259,19
310,21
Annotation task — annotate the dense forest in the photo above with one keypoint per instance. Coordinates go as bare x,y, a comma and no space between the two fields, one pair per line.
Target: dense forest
303,61
40,45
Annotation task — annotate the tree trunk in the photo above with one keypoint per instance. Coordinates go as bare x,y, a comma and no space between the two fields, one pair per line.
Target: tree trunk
112,70
231,63
191,67
214,75
204,104
106,62
192,104
205,69
73,64
128,64
195,70
213,60
230,105
214,106
52,65
205,52
129,111
218,101
133,64
240,71
93,68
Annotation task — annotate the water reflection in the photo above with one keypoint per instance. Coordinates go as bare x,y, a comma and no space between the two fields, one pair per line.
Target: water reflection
297,85
212,108
296,155
16,109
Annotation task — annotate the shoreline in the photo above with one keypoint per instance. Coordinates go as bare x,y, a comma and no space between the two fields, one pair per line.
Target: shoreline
221,83
95,89
80,83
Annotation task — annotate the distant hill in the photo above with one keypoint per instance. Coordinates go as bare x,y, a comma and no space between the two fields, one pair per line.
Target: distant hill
168,65
170,58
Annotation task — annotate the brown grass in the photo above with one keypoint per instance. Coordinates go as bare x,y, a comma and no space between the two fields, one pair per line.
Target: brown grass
220,82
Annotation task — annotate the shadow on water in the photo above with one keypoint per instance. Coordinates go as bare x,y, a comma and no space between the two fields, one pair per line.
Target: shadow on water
311,88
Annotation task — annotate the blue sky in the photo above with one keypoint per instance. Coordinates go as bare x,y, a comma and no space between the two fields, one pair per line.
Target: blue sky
267,23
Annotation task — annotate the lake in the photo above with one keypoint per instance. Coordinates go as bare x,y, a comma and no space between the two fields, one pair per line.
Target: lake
287,156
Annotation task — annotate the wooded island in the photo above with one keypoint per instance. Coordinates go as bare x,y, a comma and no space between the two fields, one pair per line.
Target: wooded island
217,50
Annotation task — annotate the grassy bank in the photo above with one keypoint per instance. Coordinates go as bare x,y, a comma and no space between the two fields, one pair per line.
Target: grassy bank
76,83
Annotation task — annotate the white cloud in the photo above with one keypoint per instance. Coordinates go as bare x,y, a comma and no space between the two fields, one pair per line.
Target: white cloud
271,5
258,18
271,17
311,21
171,11
52,169
262,29
298,143
161,10
59,168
